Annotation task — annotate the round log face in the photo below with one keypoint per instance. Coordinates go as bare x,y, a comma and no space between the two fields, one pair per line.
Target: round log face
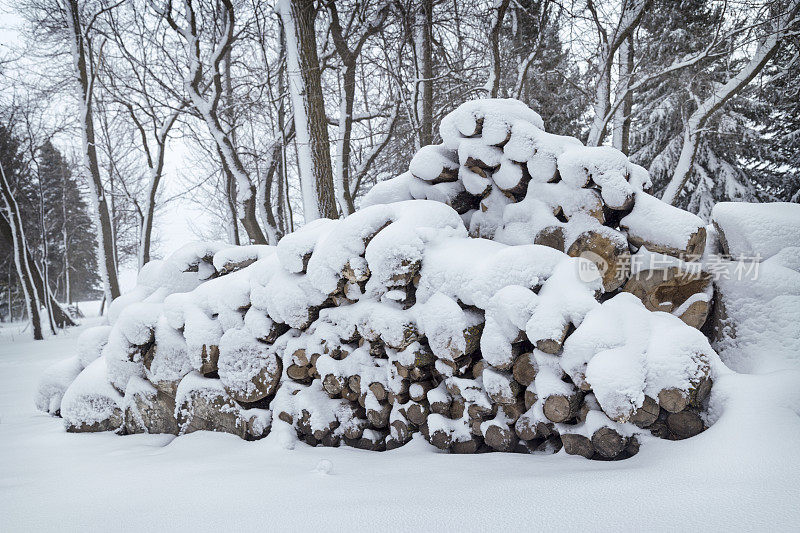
265,383
613,259
685,424
575,444
645,415
608,442
667,289
559,407
500,439
552,236
524,370
673,400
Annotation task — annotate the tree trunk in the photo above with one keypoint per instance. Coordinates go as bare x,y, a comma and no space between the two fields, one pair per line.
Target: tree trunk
498,13
423,27
20,255
105,242
61,317
305,85
622,118
629,18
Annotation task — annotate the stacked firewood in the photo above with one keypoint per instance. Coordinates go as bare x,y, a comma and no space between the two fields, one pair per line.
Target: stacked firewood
499,296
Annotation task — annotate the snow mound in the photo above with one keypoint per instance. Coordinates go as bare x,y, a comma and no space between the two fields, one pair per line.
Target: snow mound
756,230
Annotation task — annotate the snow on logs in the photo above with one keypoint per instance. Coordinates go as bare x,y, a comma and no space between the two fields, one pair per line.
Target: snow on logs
462,303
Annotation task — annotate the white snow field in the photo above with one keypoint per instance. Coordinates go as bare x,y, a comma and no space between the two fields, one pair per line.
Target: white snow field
741,474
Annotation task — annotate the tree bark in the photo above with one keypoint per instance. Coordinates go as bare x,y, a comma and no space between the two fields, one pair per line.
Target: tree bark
305,84
423,28
622,118
20,255
498,13
85,78
632,11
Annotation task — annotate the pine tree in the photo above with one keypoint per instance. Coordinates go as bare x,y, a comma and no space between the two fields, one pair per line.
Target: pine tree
778,166
69,229
733,143
550,84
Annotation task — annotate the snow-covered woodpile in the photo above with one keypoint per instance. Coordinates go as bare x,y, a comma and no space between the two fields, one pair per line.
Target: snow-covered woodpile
501,295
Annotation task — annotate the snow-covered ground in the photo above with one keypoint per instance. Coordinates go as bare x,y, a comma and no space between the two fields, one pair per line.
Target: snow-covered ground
741,474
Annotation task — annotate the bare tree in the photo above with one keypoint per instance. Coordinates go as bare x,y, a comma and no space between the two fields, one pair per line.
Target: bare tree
207,105
311,125
498,14
349,58
622,117
135,80
84,61
14,220
609,42
423,49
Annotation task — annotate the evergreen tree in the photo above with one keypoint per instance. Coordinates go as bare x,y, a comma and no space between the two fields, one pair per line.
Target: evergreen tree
727,163
69,229
778,166
551,84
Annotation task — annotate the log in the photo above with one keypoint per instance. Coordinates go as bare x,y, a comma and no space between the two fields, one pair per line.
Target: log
400,433
701,392
264,370
685,424
300,357
356,274
673,400
463,202
417,413
349,394
525,428
575,444
466,446
354,428
333,385
668,289
298,373
611,255
530,396
379,418
552,236
378,390
608,442
442,405
645,415
477,368
439,438
561,407
651,224
553,346
149,410
209,357
354,383
500,437
513,411
525,369
419,391
501,387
